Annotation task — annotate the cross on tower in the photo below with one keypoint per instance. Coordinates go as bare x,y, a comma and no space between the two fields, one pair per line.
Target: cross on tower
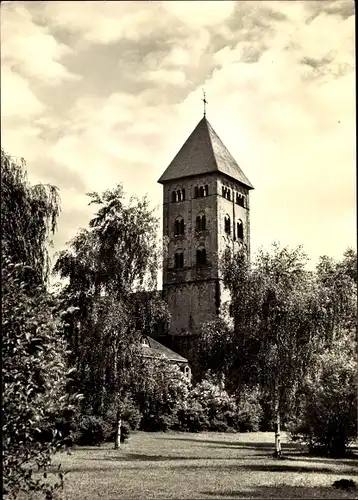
205,102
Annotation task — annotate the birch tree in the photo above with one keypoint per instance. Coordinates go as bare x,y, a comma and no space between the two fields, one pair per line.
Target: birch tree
109,265
275,321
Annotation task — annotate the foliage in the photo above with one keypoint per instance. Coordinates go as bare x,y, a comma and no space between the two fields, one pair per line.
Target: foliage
328,420
209,407
108,267
162,393
91,430
35,373
276,316
249,410
193,417
130,416
129,411
29,215
220,408
337,285
34,382
115,254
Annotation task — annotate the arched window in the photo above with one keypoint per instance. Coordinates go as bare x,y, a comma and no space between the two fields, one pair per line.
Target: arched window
201,192
240,199
179,226
226,192
201,257
200,223
187,371
178,195
240,230
227,224
179,260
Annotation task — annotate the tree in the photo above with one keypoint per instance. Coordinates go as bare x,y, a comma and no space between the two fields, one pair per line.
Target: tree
29,215
110,267
35,376
275,321
160,392
327,415
328,419
337,288
35,370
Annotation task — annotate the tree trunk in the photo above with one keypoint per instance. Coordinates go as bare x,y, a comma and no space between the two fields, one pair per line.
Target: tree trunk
103,390
117,439
277,430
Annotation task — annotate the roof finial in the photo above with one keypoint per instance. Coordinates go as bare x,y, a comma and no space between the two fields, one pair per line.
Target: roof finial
205,103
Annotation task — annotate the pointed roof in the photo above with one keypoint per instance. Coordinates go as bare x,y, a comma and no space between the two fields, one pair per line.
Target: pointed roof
204,153
156,349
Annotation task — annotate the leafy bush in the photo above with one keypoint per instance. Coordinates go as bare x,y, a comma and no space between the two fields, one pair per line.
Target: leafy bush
328,421
193,417
249,411
33,384
130,415
91,430
208,407
162,395
220,408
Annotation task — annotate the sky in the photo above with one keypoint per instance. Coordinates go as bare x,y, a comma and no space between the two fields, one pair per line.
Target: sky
99,93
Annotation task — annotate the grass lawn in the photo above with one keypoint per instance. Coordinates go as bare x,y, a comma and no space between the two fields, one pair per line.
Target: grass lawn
208,465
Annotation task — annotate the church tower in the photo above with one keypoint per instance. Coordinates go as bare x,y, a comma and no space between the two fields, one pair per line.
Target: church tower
205,209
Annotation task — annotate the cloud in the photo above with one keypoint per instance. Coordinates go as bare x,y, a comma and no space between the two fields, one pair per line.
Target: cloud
31,50
165,76
113,20
17,99
200,14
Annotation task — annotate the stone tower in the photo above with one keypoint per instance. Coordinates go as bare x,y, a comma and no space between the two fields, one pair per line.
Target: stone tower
205,209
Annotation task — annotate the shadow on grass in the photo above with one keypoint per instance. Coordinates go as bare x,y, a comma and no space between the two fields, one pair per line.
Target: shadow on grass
291,451
237,444
132,458
228,443
286,492
128,457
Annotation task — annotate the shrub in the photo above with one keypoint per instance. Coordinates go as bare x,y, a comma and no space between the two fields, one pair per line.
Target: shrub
328,421
162,395
209,407
33,384
159,422
91,430
192,417
249,411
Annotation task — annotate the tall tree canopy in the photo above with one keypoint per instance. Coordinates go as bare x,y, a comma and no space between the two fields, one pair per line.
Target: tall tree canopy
29,214
111,266
283,315
34,352
275,315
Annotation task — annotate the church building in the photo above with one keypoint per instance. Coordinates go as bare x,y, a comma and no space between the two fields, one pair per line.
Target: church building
206,208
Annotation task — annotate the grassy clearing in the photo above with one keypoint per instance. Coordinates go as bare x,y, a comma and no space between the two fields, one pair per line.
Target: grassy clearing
208,465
